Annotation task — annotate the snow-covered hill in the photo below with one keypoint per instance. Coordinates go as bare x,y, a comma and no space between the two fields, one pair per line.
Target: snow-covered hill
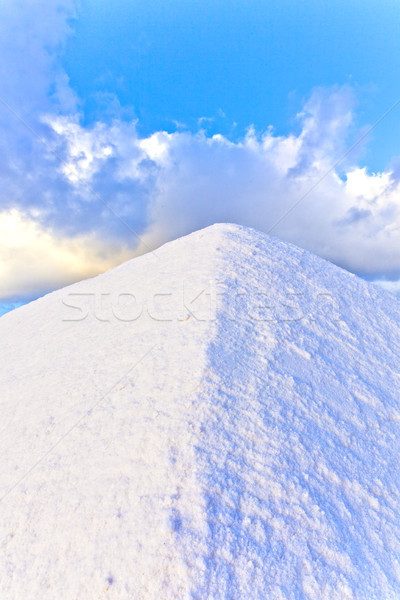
219,419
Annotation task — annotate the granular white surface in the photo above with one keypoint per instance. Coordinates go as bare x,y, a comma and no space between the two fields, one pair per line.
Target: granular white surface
232,432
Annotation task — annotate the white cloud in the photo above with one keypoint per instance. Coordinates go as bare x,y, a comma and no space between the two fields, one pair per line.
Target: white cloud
167,185
34,260
190,180
32,35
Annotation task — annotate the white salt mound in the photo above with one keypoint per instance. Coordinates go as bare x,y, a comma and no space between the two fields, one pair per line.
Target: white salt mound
216,420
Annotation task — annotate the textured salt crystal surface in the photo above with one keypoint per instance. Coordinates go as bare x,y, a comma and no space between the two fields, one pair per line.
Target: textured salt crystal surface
219,419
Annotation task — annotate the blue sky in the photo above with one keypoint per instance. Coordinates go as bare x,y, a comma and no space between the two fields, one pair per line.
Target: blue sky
237,62
127,124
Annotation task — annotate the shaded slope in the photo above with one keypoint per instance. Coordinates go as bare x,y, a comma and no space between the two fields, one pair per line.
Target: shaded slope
299,464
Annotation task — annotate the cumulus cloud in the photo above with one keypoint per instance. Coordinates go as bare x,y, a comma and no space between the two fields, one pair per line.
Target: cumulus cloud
352,220
32,36
34,260
186,181
95,193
